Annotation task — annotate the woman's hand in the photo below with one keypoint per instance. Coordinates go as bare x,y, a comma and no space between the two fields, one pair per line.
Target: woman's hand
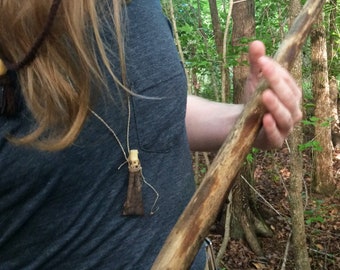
282,99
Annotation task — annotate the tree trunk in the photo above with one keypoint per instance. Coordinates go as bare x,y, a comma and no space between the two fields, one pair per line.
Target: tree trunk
218,34
333,72
213,75
243,225
243,27
224,67
298,238
323,179
299,243
331,48
218,37
246,221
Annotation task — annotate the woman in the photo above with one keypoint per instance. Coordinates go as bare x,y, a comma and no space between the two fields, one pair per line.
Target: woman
84,83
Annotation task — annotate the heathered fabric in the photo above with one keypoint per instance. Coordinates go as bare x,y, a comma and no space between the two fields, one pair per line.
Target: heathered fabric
62,210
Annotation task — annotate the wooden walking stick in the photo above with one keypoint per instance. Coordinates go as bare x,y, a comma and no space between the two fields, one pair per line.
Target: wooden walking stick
193,225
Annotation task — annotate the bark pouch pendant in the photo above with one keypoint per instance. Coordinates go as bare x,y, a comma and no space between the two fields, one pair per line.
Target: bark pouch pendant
133,205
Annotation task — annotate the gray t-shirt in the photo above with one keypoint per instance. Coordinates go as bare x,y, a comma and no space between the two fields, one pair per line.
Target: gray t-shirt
62,210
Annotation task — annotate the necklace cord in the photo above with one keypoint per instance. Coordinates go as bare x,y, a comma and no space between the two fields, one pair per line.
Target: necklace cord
112,131
9,92
128,124
31,54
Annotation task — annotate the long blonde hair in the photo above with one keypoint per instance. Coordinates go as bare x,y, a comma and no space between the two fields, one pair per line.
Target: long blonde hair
56,86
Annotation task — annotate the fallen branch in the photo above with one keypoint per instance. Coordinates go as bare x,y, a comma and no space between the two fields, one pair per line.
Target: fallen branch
193,225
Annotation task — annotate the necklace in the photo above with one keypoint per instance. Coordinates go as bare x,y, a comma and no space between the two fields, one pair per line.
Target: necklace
133,204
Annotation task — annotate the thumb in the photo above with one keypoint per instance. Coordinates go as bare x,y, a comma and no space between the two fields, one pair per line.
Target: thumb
256,50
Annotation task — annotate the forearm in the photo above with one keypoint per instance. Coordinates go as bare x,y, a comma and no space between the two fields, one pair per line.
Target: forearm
208,123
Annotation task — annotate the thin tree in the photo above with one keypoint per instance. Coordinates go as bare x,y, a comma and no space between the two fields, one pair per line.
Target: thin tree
298,237
218,33
334,68
224,69
246,221
332,29
213,75
219,39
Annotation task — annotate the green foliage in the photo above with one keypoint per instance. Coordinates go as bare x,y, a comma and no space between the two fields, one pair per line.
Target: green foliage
251,156
197,41
195,30
203,170
312,144
197,38
271,23
313,219
315,214
314,121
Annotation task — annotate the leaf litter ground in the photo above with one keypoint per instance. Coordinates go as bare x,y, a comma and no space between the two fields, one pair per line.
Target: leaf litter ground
322,218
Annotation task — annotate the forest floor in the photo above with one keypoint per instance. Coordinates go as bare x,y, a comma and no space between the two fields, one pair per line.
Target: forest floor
322,219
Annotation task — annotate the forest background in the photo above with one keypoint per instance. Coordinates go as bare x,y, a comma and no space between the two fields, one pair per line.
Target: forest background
283,212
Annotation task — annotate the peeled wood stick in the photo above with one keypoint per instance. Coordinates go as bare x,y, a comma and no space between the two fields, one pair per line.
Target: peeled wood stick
193,225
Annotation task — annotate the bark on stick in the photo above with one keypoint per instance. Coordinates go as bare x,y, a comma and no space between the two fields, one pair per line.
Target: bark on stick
193,225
